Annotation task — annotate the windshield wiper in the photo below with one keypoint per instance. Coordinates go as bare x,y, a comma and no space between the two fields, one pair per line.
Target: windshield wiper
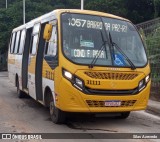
99,52
112,47
120,50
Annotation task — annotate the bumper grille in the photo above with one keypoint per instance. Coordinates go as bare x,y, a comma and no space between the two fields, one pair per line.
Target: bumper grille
94,103
113,76
112,92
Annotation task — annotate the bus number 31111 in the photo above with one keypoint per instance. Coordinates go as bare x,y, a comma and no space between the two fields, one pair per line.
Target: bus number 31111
92,82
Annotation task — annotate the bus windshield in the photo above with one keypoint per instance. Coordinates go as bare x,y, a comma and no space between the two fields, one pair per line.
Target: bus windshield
84,35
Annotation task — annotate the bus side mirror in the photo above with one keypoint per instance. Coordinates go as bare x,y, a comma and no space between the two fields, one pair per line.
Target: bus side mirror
47,32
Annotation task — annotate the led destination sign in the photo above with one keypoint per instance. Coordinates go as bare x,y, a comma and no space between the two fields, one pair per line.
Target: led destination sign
74,22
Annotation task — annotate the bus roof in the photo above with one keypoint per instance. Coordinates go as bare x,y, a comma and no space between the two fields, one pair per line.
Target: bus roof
91,12
59,11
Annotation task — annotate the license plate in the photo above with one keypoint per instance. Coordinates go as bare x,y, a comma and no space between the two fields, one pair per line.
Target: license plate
113,103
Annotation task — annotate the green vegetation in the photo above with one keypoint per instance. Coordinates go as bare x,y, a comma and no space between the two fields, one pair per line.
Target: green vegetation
135,10
153,49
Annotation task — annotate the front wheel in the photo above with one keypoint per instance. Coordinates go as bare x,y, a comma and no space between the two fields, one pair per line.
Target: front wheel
56,114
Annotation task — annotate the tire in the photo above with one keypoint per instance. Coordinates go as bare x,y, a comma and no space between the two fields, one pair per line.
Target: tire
20,93
124,115
57,116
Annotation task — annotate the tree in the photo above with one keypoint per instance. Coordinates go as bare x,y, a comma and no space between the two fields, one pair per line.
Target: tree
140,10
13,17
114,7
135,10
157,8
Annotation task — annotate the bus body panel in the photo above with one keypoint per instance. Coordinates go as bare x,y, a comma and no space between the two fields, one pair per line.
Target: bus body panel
11,67
31,76
48,78
14,68
80,102
38,75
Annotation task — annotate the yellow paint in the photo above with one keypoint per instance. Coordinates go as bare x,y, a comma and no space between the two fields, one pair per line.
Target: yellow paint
46,68
32,64
70,99
11,58
73,100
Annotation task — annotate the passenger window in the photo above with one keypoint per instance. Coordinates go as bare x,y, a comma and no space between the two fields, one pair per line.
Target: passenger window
35,37
13,42
52,45
36,28
17,42
34,45
22,41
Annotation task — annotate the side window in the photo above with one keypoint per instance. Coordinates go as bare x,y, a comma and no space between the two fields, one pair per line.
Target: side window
10,42
34,45
35,37
22,41
52,45
17,42
13,42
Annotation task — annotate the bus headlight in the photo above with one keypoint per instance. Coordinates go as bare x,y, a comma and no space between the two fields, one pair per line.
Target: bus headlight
141,85
76,82
67,75
79,82
147,78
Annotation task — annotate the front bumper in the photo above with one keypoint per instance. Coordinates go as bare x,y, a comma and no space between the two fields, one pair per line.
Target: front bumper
71,99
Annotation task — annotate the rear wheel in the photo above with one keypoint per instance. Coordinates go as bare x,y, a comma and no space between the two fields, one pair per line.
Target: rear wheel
20,93
56,114
124,115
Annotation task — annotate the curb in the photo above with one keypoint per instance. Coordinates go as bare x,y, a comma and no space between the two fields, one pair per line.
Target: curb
153,107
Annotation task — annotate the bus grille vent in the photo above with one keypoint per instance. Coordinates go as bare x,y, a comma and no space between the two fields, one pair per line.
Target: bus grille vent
93,103
111,76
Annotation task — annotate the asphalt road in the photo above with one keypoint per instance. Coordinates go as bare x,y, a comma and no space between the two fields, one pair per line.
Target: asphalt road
28,116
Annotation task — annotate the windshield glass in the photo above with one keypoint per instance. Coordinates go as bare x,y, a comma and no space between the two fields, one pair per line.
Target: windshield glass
83,36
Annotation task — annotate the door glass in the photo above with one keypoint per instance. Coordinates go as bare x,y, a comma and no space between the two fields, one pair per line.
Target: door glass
52,45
